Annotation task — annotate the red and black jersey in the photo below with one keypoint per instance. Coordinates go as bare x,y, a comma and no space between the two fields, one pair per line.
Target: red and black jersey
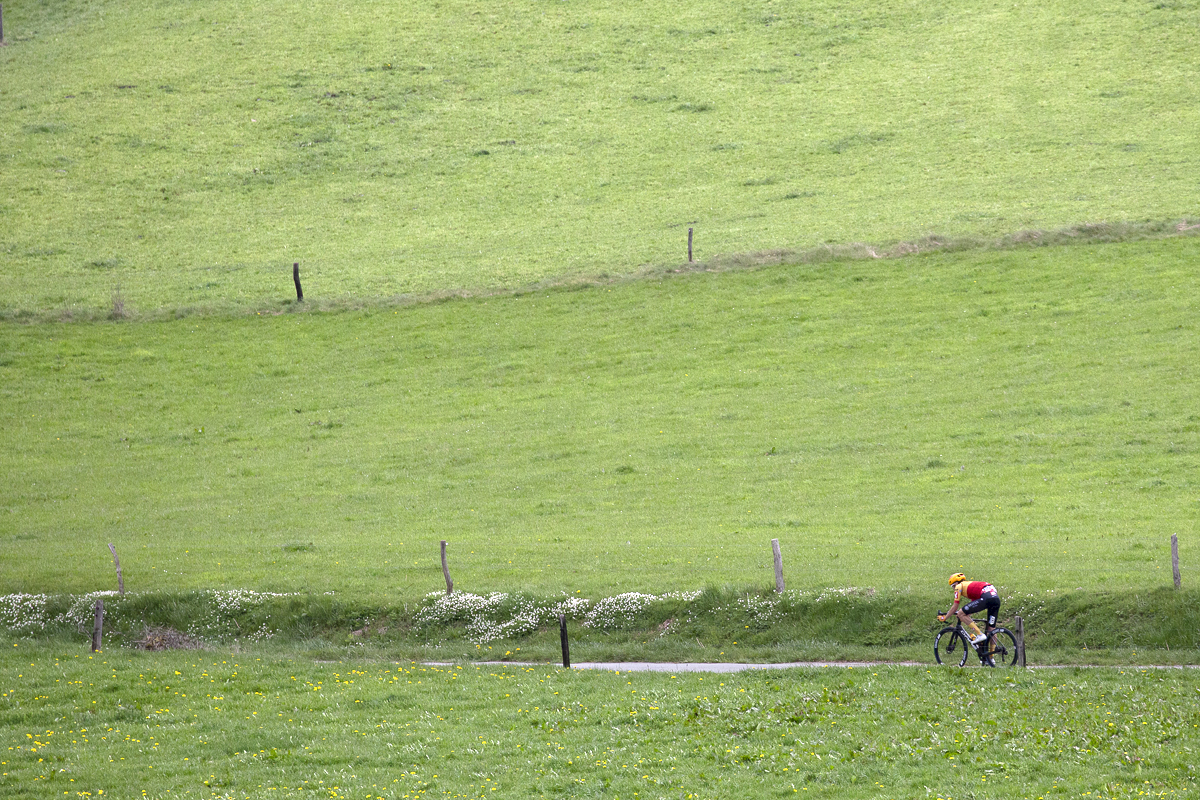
972,590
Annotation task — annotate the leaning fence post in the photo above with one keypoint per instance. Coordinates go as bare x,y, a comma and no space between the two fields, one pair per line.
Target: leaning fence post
778,566
1175,559
446,570
296,280
562,634
1020,642
98,628
117,562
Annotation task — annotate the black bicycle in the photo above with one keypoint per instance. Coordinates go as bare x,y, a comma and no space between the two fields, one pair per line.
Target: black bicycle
954,646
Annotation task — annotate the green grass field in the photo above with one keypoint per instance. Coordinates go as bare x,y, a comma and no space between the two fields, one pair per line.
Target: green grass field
263,726
190,153
585,415
588,416
1024,414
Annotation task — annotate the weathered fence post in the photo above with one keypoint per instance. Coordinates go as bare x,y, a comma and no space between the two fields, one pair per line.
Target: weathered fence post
98,628
1175,560
1020,642
778,566
689,245
117,562
562,633
446,570
296,280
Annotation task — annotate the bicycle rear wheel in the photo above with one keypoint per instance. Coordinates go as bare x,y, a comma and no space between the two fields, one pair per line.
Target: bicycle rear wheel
1003,647
951,647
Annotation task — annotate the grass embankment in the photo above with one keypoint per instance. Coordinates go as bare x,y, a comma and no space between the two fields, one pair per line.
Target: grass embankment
186,154
1024,415
709,626
241,726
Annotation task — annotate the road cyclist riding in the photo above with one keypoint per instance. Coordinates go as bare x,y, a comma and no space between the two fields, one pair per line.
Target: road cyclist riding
994,644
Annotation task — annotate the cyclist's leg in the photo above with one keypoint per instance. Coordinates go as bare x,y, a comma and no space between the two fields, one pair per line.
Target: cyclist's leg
992,604
965,613
993,611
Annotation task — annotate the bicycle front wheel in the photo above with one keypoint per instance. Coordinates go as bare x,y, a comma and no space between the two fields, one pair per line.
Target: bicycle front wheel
1003,647
951,647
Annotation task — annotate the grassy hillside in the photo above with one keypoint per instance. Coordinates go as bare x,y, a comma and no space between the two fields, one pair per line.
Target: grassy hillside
1025,414
187,153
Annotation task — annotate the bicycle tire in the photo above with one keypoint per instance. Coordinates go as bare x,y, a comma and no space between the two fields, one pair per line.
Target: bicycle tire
1003,647
951,647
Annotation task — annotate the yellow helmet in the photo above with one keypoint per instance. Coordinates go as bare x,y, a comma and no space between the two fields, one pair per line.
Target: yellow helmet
957,577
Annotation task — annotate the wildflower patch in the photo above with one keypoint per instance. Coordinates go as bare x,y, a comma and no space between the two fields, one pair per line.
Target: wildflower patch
276,726
145,618
503,615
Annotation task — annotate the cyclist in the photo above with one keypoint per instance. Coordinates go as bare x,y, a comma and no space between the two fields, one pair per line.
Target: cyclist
971,597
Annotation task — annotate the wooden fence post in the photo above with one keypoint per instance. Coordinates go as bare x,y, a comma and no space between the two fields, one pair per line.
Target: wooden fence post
1175,560
562,633
689,245
446,570
1020,642
778,566
296,280
98,628
117,561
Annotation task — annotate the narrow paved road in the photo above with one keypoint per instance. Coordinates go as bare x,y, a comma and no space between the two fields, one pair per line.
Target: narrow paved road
700,666
691,666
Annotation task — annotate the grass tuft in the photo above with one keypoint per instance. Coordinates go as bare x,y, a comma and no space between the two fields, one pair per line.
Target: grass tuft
163,638
118,312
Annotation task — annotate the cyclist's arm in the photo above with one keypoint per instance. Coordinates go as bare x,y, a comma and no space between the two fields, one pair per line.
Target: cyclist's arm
950,612
955,605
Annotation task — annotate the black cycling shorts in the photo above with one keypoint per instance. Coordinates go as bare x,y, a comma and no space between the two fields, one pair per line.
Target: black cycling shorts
989,601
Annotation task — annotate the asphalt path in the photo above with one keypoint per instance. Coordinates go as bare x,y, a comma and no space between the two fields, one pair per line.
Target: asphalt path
730,667
700,666
689,666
